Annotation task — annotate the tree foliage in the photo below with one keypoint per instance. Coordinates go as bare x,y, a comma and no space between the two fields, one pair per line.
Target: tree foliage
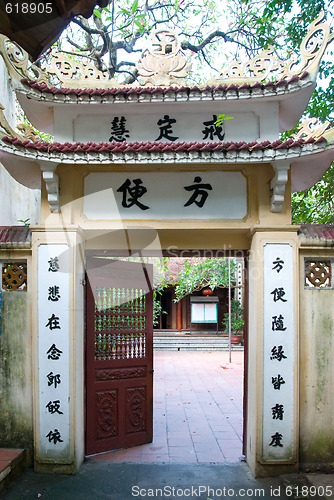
212,31
237,317
315,205
203,273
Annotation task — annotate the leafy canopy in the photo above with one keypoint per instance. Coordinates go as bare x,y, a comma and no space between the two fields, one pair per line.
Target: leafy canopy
203,273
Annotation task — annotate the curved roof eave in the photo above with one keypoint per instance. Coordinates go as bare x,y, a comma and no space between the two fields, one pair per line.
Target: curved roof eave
25,171
38,100
23,159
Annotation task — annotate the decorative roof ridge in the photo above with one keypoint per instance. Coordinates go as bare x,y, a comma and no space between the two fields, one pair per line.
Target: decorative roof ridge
317,233
15,237
139,90
151,146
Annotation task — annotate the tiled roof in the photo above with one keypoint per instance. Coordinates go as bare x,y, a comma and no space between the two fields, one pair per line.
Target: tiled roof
317,231
15,237
153,94
162,152
133,147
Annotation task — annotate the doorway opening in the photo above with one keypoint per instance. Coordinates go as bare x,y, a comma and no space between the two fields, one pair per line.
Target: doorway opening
198,399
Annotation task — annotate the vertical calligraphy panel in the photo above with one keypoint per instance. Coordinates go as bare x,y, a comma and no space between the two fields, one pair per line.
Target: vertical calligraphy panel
278,353
53,351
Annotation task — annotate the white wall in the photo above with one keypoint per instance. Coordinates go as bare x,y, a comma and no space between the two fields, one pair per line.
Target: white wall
17,201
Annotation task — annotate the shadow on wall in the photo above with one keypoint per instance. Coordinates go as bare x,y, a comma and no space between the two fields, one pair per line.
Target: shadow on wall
18,202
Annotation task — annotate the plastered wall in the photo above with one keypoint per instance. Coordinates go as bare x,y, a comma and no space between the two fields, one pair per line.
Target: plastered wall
316,371
16,417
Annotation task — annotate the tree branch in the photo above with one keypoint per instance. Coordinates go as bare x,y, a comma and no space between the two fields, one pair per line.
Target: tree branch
185,45
77,46
88,29
125,63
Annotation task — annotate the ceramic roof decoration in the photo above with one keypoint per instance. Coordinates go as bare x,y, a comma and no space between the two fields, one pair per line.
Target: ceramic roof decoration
164,64
267,66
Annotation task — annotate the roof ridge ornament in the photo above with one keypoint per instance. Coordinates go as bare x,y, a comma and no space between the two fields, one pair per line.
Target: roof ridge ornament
266,65
5,127
17,61
311,128
27,132
74,74
164,64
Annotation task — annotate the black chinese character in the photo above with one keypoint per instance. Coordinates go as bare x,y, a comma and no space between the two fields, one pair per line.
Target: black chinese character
118,130
165,126
277,353
278,294
278,264
131,194
54,407
277,324
54,353
53,323
54,436
54,295
277,412
53,379
53,265
277,382
199,191
276,440
212,129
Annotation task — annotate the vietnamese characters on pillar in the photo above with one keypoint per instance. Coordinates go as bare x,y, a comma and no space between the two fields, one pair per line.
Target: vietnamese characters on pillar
278,353
53,351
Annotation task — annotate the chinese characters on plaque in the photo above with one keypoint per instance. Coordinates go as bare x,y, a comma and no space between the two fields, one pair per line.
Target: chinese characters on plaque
53,351
164,129
278,353
165,195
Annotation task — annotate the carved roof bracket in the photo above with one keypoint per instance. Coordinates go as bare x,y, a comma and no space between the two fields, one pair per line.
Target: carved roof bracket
51,180
278,184
266,66
17,62
5,127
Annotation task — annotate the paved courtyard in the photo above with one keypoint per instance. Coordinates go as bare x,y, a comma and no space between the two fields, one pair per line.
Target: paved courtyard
197,410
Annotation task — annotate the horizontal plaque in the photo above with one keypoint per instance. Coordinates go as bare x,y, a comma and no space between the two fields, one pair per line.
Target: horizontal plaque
165,195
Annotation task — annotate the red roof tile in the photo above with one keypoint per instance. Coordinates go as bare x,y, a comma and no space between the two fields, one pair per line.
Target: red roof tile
317,231
42,87
11,236
92,147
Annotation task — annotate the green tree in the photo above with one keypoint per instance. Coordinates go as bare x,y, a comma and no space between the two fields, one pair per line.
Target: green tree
200,273
315,205
214,32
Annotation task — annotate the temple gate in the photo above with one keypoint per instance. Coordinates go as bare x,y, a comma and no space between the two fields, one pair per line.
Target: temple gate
143,169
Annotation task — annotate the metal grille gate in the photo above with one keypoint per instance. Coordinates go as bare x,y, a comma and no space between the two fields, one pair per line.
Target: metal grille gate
119,354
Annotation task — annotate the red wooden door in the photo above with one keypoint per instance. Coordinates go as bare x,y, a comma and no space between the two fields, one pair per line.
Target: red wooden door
119,354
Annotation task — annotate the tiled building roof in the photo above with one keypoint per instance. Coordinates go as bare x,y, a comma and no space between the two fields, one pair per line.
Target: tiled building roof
317,231
15,237
124,147
154,94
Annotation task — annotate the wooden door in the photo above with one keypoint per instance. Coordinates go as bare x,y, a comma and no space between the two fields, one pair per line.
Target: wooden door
119,354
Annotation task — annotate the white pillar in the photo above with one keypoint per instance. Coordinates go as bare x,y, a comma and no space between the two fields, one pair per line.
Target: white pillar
272,405
58,340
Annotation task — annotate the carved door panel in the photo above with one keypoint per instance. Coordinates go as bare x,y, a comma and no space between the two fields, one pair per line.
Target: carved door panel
119,354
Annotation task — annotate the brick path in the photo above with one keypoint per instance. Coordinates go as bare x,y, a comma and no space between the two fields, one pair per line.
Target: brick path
197,410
